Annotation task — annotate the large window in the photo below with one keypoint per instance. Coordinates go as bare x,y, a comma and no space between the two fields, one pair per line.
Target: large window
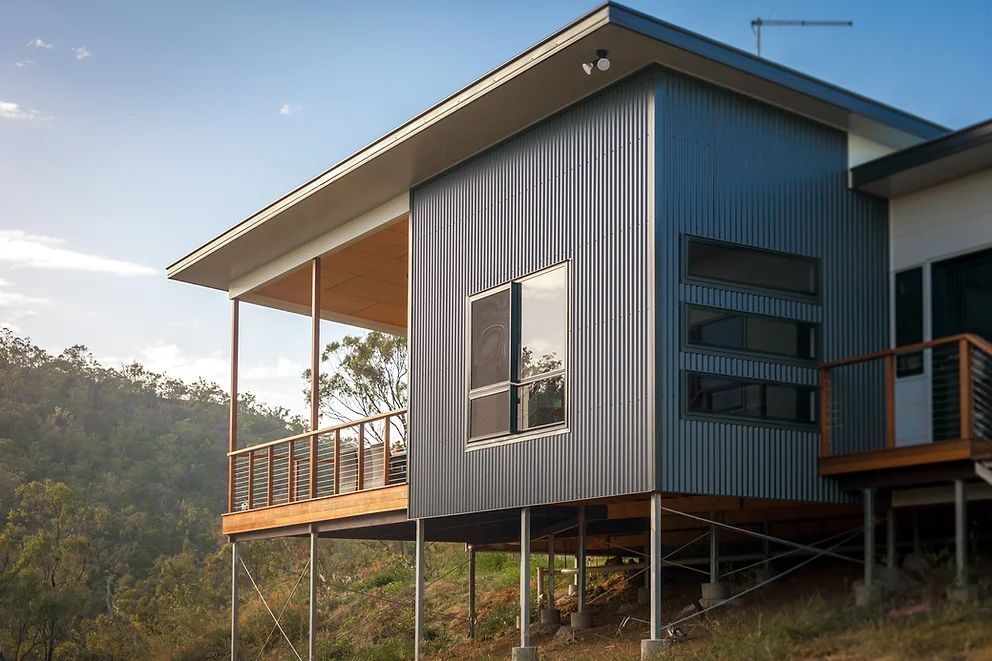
517,344
750,333
725,396
734,264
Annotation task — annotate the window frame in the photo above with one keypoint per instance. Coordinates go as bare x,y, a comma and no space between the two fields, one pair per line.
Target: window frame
689,346
770,423
742,286
514,382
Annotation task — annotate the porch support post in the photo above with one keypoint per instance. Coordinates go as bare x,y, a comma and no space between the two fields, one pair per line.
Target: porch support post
713,592
961,590
524,652
234,601
313,596
890,538
581,619
315,285
418,626
232,432
551,572
471,592
960,540
866,592
869,533
652,647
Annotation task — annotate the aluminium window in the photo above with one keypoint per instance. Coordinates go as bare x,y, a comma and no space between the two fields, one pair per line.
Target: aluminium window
755,268
518,340
730,330
746,399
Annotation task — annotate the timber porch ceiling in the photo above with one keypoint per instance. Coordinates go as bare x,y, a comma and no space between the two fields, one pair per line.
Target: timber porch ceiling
363,284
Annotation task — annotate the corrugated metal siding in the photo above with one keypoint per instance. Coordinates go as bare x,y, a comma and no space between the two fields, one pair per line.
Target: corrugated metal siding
734,169
572,188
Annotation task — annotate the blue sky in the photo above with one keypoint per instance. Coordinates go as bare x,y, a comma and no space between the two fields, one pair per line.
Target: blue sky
132,132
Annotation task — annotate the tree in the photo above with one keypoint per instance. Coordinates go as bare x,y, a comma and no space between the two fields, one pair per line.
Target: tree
368,377
46,567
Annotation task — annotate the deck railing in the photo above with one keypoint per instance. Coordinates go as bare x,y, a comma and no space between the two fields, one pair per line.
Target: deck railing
344,458
858,394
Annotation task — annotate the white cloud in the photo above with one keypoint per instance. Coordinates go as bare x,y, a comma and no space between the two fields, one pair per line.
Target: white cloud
23,63
38,42
21,249
14,305
11,110
290,109
284,368
82,52
175,362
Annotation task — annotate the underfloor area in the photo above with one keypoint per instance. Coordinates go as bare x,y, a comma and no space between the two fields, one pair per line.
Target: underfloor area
807,615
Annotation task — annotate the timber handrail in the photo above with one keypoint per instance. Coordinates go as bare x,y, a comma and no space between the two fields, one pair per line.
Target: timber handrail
972,339
345,457
969,424
319,432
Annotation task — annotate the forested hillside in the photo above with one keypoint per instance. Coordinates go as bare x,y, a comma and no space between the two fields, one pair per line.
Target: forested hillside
111,485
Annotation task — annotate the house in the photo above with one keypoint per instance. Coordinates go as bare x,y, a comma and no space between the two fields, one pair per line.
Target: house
652,285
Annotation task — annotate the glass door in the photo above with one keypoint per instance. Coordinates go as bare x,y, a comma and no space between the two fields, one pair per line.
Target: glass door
961,303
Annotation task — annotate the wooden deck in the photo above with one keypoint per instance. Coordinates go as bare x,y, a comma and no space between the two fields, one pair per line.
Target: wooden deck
940,452
370,501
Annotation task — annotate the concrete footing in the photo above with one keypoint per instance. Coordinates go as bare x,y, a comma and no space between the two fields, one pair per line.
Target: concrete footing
963,594
892,579
653,649
866,595
643,596
581,620
524,654
550,616
712,594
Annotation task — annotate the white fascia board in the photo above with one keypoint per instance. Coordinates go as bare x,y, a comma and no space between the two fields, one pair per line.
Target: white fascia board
339,237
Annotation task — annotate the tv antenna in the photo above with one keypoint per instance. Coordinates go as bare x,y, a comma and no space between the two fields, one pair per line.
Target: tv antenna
759,22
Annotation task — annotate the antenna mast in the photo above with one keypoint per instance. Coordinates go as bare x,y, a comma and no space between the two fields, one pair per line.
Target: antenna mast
759,22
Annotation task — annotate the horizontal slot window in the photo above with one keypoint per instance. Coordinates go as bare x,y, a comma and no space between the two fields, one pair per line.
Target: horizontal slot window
752,267
727,396
737,331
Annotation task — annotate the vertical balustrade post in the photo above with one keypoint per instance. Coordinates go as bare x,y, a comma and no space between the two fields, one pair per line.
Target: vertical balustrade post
360,479
337,461
824,412
890,401
251,479
385,452
964,387
232,434
291,471
314,370
268,476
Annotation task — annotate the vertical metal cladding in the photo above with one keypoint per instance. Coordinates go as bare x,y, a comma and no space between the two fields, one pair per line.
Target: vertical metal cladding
571,188
732,168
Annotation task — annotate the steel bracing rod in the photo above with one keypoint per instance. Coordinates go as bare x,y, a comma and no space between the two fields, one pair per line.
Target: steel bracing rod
821,553
271,614
281,611
759,535
790,552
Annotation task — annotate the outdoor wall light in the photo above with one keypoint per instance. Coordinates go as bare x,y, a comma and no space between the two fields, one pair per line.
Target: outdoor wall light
600,63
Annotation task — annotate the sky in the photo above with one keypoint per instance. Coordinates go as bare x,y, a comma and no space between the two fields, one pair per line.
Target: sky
133,132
